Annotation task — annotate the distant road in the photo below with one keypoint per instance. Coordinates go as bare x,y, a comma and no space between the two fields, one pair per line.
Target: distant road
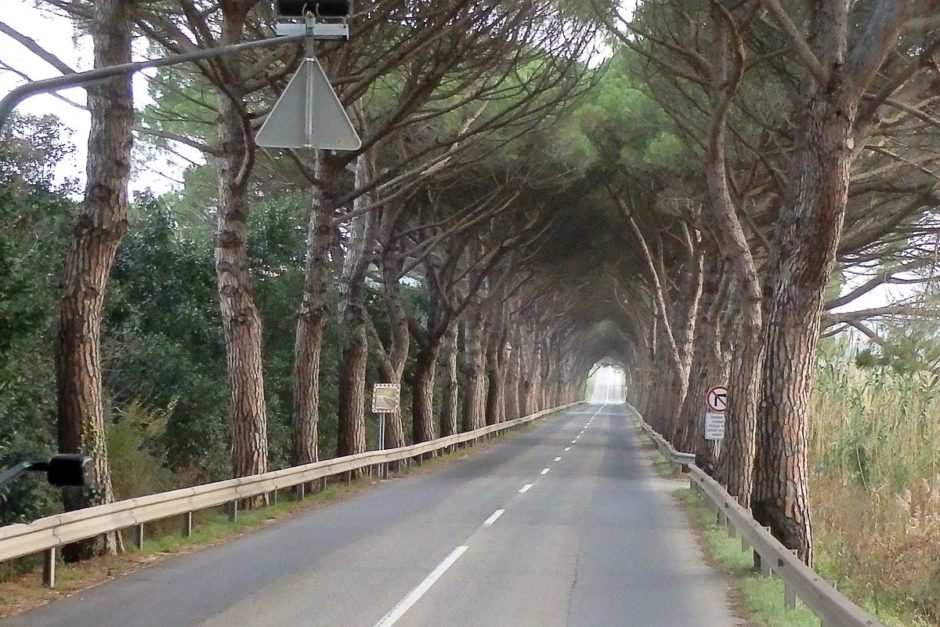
561,525
607,390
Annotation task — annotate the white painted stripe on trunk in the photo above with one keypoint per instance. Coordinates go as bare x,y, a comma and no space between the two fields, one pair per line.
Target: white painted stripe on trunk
412,597
525,488
489,521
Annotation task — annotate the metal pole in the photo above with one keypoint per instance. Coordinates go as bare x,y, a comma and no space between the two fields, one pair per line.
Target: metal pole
13,472
383,472
21,93
309,43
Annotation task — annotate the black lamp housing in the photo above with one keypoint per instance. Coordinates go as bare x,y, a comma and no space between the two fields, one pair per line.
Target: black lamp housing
295,9
69,470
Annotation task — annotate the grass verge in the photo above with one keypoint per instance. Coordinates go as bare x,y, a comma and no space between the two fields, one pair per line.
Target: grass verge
758,599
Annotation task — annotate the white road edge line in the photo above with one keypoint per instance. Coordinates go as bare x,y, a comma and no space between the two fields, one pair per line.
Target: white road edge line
545,471
489,521
558,459
406,604
525,488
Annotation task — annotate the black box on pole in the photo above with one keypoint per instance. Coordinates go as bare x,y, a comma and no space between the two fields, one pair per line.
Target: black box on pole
320,8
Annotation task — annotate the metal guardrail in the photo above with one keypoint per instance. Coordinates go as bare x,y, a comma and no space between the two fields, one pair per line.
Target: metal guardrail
800,582
46,535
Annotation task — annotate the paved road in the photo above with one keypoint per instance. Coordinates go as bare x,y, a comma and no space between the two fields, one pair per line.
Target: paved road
561,525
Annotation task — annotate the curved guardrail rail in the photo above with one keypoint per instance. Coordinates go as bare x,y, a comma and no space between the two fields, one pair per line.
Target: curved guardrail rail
46,535
800,582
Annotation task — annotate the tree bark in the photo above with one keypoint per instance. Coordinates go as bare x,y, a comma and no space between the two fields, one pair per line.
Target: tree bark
808,234
474,402
351,438
241,322
423,398
736,465
495,360
400,341
450,411
312,317
95,240
708,369
512,379
791,336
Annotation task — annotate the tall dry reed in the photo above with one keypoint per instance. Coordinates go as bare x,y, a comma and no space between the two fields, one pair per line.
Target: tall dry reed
875,455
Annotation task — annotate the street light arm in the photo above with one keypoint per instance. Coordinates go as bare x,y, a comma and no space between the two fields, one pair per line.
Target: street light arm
21,93
11,473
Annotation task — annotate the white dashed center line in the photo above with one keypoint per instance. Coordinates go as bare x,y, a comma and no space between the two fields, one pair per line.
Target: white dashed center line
567,448
415,595
545,471
525,488
489,521
557,459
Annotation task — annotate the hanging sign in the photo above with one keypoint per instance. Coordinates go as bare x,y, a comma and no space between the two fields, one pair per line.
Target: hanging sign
309,115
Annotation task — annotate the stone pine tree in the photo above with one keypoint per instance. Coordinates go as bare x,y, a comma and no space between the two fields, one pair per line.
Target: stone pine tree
95,239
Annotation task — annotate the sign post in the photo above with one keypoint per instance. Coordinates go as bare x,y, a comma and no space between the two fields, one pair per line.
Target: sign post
386,399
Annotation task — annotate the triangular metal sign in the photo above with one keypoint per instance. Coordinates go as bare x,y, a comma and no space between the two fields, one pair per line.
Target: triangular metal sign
309,115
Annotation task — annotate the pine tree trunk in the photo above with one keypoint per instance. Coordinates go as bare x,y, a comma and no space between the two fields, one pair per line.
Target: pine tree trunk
351,438
449,402
241,322
494,381
736,465
738,450
95,240
512,383
392,367
313,314
791,335
526,374
352,385
711,368
474,403
423,399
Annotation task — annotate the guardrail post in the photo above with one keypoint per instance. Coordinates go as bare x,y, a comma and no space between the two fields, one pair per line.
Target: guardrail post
48,568
188,525
789,597
233,511
273,498
300,490
764,565
139,536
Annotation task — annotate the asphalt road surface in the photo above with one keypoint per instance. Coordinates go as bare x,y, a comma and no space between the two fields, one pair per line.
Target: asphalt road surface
564,524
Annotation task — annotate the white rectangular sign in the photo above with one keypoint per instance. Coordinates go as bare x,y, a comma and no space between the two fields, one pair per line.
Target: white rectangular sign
714,426
386,398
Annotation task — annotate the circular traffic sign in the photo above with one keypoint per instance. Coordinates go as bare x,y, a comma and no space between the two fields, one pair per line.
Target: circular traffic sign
717,398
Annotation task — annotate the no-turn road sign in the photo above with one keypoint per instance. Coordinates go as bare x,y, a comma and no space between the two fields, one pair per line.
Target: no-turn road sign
717,399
